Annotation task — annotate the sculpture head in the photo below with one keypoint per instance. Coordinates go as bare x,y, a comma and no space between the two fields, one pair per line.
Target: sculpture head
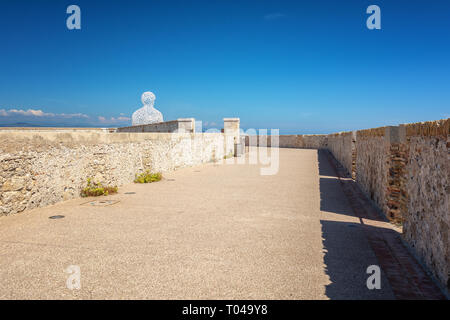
148,98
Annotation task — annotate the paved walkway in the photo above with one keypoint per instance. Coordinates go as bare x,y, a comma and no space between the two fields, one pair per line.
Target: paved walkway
207,232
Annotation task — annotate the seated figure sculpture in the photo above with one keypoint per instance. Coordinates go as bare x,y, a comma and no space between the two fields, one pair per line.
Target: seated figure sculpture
147,114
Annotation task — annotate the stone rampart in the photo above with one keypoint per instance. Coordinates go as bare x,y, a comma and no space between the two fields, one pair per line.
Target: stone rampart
186,125
405,170
289,141
426,219
342,145
42,167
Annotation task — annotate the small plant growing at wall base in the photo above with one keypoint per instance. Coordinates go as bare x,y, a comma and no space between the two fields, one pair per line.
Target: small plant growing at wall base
95,189
230,155
148,177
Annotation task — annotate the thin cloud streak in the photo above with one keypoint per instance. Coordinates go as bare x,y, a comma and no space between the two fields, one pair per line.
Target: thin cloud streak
37,117
39,113
113,120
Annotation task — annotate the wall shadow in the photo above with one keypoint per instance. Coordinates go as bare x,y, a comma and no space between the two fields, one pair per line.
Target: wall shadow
332,196
325,168
345,244
347,256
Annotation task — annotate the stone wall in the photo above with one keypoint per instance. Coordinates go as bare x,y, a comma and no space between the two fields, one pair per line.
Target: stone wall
181,125
426,221
342,146
231,129
289,141
396,194
405,170
314,141
42,167
380,168
371,164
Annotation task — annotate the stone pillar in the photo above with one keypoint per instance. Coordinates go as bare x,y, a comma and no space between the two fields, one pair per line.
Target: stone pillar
395,134
231,132
354,151
186,125
397,157
231,127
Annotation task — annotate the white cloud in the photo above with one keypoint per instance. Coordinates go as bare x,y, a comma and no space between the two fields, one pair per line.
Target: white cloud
29,112
73,115
113,120
39,113
40,118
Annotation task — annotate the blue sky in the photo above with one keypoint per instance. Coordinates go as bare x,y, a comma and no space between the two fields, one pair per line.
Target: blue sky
300,66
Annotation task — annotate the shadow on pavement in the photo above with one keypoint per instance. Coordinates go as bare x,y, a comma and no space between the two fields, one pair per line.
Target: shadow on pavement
347,256
347,250
333,198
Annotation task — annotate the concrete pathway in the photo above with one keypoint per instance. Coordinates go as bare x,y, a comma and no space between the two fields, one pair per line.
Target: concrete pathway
207,232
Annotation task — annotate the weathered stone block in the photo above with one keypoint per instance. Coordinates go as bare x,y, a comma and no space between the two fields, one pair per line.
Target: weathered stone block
12,197
14,184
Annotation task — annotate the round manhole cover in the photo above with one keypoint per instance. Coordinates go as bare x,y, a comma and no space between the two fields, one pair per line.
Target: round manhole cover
56,217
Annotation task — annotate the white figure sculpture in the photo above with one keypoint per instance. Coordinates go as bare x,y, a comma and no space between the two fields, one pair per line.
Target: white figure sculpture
147,114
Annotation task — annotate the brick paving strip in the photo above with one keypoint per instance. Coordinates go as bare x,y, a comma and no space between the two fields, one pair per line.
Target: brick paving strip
407,277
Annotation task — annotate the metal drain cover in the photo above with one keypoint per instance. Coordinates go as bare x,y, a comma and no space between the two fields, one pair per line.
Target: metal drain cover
100,203
130,192
56,217
170,179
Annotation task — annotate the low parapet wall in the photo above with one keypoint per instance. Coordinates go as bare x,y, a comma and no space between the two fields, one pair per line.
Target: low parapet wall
42,167
371,164
343,147
186,125
405,170
426,176
341,144
288,141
